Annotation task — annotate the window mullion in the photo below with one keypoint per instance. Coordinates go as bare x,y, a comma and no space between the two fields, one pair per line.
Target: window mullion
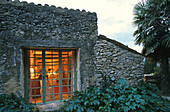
75,70
43,77
34,75
60,75
68,76
52,61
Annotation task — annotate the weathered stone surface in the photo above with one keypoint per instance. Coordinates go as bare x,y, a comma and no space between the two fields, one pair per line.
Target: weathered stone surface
24,25
118,61
50,107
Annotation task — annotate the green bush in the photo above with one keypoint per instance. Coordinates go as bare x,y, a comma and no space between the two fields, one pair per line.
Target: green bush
149,65
117,98
12,103
157,76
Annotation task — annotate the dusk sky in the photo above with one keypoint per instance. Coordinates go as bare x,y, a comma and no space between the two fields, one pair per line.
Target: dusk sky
115,17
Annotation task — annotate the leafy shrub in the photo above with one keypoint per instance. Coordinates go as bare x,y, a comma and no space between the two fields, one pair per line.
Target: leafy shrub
149,65
87,100
117,98
12,103
157,76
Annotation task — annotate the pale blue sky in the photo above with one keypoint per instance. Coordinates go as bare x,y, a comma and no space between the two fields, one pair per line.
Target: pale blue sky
114,16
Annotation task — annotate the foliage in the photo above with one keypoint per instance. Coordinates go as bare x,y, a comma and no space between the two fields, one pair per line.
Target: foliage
157,70
157,75
152,20
117,98
149,66
12,103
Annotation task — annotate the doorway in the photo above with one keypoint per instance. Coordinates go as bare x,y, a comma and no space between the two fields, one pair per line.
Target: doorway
50,74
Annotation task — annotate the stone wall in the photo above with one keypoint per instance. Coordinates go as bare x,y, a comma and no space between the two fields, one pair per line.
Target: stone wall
116,60
24,25
28,25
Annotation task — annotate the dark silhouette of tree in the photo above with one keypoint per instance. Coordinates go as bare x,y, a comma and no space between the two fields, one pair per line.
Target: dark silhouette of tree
152,19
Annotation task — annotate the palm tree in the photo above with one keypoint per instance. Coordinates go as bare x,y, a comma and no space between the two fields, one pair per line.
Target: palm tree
152,19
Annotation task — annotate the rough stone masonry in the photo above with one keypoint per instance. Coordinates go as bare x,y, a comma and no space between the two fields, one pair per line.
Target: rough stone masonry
29,25
117,61
26,25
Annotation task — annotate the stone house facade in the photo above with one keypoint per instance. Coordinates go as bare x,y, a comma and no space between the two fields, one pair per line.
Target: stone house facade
117,61
47,53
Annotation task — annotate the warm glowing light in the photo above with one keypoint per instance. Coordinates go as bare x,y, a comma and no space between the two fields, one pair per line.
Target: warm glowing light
31,70
32,74
51,75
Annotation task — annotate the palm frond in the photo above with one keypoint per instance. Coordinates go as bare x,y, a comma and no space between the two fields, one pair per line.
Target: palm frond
166,40
152,20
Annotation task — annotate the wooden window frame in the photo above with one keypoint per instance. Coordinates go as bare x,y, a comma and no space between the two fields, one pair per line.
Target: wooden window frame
26,72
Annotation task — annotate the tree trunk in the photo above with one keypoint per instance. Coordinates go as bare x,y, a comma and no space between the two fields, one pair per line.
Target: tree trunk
165,75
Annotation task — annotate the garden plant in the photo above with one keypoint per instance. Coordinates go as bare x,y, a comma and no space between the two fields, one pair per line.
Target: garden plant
12,103
120,97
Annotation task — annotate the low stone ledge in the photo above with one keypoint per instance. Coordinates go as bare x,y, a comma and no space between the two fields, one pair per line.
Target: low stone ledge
50,107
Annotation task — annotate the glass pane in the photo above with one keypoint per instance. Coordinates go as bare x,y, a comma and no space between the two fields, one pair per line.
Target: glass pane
35,95
71,53
65,96
56,90
71,88
67,74
52,71
64,67
71,68
56,75
48,98
31,100
31,53
71,74
70,95
35,76
65,82
55,82
55,97
52,61
38,53
55,53
34,84
51,78
64,54
65,89
49,90
39,99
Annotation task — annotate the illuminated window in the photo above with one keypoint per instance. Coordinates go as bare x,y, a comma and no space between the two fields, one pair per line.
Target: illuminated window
50,75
